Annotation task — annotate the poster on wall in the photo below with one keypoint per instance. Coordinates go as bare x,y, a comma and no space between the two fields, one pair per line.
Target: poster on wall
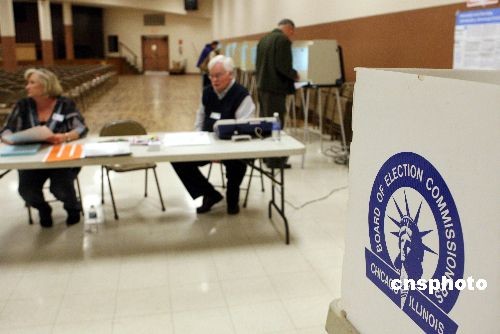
477,3
477,40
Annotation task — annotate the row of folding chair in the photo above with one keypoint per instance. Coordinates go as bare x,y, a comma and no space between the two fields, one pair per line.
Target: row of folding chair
83,83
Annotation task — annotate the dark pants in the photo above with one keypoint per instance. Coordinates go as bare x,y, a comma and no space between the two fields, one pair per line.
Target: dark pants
197,184
62,186
269,104
205,81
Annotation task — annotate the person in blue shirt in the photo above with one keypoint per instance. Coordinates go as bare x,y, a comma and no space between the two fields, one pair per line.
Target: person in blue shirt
203,56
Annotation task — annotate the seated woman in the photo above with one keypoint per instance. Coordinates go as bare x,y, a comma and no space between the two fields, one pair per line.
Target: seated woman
45,106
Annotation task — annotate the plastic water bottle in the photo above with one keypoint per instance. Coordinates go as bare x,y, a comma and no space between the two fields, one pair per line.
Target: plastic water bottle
276,132
91,221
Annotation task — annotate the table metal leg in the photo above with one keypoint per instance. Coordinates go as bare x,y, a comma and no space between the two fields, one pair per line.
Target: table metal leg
277,181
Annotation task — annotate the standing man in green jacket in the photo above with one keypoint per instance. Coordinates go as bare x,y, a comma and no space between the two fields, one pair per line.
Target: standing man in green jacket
275,74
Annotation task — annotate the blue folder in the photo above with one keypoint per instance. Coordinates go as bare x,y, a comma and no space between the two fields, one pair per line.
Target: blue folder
13,150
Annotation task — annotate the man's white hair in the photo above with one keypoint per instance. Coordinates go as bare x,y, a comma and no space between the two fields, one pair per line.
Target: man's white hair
227,62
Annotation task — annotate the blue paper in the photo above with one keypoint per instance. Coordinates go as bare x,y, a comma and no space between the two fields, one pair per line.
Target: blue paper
13,150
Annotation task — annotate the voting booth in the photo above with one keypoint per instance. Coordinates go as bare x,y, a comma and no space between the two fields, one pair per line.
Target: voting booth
248,55
318,61
423,204
230,50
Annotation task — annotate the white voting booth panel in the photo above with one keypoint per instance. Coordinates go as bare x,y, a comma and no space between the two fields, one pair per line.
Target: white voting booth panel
233,50
229,49
317,61
424,200
248,55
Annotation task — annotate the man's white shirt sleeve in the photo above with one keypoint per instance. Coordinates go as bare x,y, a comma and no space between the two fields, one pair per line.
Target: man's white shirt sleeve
200,117
244,111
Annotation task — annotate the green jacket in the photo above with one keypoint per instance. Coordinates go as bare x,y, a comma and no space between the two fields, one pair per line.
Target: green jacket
273,66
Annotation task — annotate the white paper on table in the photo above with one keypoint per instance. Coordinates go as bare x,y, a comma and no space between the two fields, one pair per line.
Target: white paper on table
35,134
301,84
106,149
186,138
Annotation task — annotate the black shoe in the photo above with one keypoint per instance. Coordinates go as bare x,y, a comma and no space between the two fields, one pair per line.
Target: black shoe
45,217
278,165
233,209
73,217
209,201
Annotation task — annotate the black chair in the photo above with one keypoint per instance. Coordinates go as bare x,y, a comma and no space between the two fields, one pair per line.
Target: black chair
126,128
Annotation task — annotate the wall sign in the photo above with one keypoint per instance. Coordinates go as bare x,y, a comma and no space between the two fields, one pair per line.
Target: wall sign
477,40
476,3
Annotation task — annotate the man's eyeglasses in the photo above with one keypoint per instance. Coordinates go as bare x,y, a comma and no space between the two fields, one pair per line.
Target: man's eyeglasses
217,75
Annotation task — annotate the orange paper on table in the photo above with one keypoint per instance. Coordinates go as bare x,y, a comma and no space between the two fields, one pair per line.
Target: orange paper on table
64,152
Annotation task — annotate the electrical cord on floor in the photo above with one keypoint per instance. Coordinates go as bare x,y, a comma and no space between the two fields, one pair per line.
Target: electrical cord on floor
333,191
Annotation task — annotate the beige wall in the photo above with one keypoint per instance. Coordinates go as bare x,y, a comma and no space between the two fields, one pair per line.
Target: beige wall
233,18
165,6
128,24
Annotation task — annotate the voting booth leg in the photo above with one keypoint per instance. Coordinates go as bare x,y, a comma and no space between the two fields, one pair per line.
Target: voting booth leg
291,113
272,203
305,106
341,157
336,321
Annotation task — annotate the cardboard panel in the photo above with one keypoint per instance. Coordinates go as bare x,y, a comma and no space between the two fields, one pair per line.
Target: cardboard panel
424,166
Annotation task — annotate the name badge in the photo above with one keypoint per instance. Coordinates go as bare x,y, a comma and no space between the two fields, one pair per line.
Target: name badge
215,115
58,117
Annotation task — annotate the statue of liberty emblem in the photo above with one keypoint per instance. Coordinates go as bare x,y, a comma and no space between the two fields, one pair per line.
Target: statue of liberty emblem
415,234
411,246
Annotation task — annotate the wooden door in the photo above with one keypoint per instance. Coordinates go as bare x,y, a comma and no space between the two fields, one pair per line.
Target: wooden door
155,53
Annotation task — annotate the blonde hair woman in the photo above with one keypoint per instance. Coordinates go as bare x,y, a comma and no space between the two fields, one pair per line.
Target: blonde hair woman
44,105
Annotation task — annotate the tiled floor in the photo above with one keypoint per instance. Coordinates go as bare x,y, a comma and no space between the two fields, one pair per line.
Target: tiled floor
173,271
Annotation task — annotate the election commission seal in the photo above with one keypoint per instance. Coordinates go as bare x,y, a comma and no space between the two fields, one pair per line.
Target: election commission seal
415,233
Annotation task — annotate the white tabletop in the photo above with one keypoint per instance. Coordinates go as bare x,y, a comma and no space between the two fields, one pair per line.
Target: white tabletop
216,150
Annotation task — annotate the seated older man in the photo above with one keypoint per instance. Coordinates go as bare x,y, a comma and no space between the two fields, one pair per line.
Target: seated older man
223,99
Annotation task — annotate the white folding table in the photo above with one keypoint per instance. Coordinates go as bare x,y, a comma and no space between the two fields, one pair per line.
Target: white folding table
216,150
